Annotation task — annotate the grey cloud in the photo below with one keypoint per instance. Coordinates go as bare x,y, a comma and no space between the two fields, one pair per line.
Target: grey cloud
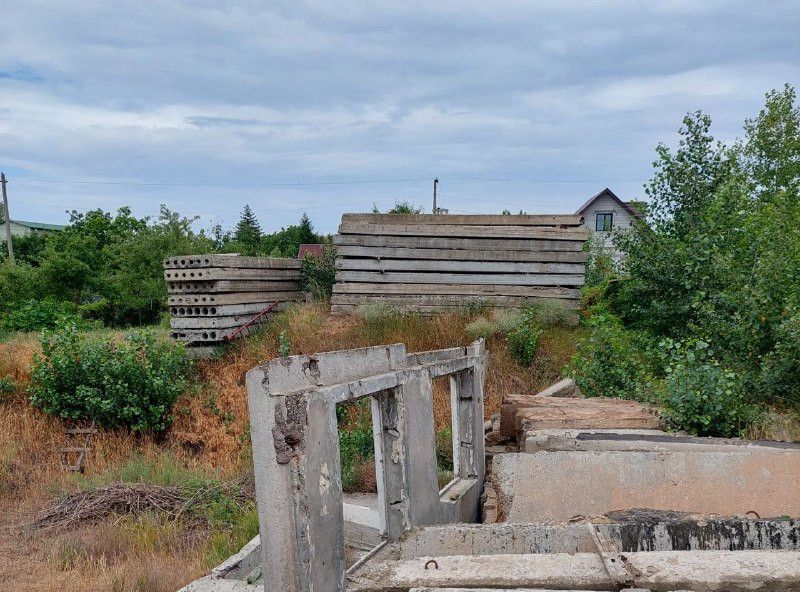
245,95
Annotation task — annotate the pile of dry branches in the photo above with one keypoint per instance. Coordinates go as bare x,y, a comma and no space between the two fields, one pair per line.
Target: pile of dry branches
134,499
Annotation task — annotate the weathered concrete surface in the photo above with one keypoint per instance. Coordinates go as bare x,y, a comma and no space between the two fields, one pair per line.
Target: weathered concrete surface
240,572
426,589
562,388
521,413
630,532
292,404
557,486
722,571
635,440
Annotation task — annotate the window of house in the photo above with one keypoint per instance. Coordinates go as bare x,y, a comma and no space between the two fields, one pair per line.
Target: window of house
603,222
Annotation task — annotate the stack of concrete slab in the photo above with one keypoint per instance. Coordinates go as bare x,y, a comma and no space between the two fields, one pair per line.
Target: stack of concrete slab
426,262
211,296
523,414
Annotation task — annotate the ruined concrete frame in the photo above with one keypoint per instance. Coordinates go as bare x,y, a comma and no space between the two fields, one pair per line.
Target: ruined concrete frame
296,451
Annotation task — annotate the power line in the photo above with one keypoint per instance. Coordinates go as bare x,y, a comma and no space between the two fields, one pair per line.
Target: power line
298,183
301,183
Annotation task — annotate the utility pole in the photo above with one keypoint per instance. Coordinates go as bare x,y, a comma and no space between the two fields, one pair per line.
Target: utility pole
8,220
435,187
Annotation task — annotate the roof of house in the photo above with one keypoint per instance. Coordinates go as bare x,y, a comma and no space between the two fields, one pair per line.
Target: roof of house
310,249
608,193
35,225
39,225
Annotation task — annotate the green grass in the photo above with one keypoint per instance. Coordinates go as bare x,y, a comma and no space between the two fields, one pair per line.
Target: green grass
161,470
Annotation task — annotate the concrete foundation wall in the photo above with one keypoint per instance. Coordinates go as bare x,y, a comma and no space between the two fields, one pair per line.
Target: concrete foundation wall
533,487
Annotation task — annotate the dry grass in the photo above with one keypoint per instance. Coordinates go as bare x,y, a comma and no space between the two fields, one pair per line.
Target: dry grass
312,329
774,425
210,435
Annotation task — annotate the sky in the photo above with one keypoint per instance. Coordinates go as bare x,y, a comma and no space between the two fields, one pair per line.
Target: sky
331,107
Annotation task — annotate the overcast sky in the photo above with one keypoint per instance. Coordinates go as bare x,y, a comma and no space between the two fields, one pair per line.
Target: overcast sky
327,107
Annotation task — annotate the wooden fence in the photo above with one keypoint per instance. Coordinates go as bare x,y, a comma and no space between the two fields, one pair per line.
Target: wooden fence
211,296
431,262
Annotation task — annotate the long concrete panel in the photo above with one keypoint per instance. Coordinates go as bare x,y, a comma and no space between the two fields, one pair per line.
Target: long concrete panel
474,243
457,289
761,480
235,298
445,300
223,260
229,273
537,279
447,266
658,571
351,251
230,286
477,231
468,219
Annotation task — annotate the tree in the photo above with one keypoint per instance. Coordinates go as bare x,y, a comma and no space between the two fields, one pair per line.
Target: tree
720,259
400,207
286,242
248,232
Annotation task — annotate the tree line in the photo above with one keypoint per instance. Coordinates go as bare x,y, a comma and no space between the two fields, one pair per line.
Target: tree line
106,267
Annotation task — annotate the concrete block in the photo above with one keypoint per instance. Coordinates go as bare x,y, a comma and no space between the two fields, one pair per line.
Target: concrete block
667,571
226,310
636,440
297,373
230,286
562,388
235,298
206,274
556,412
206,323
761,480
229,260
631,531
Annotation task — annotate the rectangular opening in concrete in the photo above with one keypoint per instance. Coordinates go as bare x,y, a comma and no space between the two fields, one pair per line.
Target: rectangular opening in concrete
445,442
363,521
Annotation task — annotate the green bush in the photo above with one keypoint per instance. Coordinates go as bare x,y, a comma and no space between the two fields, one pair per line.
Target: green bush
702,397
780,373
35,315
355,446
18,284
7,387
523,339
284,345
610,361
600,265
133,383
317,275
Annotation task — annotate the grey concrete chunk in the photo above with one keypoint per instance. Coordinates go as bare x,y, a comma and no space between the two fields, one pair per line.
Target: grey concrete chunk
738,481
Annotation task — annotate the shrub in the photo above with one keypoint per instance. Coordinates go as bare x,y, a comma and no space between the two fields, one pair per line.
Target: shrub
355,447
780,375
523,339
18,284
133,383
317,275
609,362
497,321
7,387
284,345
36,315
600,265
703,397
551,312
